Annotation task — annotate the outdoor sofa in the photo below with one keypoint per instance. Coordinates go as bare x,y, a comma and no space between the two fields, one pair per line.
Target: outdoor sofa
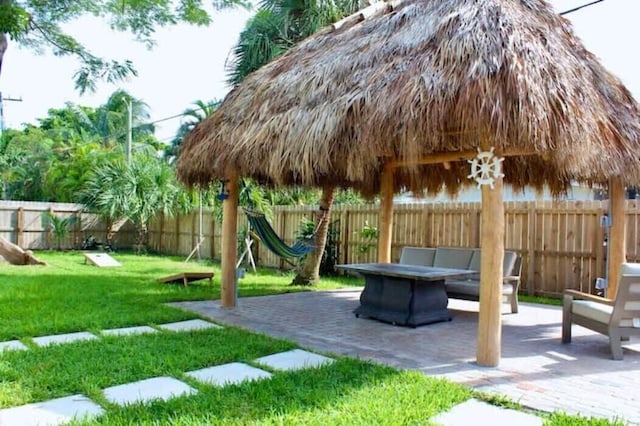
466,258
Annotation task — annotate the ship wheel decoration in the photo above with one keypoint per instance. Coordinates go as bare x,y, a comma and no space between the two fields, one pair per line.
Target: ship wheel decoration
486,168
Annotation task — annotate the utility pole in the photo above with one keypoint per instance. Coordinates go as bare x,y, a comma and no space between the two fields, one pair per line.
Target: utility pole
9,98
129,105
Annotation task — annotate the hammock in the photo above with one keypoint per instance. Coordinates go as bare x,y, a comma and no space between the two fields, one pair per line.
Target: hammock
268,236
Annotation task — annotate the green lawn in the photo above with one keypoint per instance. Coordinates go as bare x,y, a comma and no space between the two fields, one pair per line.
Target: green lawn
69,295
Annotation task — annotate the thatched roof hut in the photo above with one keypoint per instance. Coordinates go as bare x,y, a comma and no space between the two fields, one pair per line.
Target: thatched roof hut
418,78
399,94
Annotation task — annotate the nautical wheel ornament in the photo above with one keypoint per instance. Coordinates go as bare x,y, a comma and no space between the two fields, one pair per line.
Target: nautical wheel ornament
486,168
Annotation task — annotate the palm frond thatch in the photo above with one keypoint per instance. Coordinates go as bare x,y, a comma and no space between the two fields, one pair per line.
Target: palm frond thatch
423,77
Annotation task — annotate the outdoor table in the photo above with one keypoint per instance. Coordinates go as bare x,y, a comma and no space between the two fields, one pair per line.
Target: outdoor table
407,295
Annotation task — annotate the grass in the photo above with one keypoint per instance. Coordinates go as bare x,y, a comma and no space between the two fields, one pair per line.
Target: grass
69,296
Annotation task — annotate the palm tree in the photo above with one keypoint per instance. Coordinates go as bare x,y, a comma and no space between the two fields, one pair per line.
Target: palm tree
277,26
136,191
191,117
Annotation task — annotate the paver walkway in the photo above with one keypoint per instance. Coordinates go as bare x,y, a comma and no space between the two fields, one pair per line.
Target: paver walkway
536,369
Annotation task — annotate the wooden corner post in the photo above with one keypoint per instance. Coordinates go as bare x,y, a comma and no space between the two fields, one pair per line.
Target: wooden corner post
491,260
229,243
385,224
617,235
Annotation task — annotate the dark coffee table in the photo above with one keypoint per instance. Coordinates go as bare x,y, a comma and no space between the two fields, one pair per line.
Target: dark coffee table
406,295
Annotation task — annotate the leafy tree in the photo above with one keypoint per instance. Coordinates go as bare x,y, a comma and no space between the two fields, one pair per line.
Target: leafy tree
36,24
51,161
138,191
191,117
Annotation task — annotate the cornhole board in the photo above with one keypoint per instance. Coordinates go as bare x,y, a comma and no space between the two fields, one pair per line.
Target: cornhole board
101,259
187,277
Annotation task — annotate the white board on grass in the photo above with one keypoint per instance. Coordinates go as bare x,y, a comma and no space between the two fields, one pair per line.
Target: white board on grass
101,259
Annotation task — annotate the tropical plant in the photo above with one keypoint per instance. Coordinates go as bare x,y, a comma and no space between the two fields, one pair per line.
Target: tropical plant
190,118
277,26
331,252
37,25
59,226
137,191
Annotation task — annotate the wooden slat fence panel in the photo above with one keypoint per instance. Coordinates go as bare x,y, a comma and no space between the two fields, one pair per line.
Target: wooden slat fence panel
562,243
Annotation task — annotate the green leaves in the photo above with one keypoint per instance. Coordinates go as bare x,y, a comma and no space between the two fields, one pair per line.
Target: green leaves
14,20
35,24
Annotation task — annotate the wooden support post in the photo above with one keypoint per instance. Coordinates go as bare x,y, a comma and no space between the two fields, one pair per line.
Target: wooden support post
617,234
20,227
492,244
385,224
229,243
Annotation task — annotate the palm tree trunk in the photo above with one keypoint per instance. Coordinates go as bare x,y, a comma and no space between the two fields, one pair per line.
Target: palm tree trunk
309,274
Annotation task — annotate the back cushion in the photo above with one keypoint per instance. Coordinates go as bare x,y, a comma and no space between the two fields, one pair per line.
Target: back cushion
457,258
509,262
507,266
474,265
419,256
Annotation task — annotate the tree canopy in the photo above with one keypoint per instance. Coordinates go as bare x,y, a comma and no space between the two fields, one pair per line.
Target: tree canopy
37,24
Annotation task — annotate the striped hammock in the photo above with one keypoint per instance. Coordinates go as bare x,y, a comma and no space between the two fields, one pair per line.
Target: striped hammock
269,238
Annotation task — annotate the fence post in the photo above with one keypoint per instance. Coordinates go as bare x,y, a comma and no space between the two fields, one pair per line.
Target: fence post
20,227
344,237
283,227
531,249
213,235
177,236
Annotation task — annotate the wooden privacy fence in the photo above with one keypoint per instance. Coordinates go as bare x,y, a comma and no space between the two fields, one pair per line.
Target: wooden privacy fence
25,223
562,243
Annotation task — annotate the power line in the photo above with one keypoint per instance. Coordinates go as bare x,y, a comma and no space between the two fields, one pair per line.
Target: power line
580,7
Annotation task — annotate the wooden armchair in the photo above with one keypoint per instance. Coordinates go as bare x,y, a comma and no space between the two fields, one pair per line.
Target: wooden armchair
619,319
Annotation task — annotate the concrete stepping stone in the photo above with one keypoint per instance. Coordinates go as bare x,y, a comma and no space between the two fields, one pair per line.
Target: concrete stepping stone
12,345
189,325
129,330
294,360
143,391
228,374
63,338
53,412
474,411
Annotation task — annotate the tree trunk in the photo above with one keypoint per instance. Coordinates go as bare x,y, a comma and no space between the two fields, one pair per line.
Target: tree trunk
15,255
310,271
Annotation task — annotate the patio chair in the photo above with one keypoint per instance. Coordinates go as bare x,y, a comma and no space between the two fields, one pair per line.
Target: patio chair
619,319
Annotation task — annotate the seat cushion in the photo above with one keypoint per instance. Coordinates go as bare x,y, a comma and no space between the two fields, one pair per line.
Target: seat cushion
420,256
471,287
592,310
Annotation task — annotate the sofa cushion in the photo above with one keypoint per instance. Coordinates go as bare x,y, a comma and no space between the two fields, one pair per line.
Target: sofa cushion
471,287
421,256
457,258
507,264
592,310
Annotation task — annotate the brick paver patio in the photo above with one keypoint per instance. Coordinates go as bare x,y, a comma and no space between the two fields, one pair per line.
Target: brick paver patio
536,369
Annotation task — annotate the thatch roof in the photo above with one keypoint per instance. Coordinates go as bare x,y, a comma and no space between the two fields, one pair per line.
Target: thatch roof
423,77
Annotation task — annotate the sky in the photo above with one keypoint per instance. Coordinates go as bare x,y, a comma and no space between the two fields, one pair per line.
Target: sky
188,63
